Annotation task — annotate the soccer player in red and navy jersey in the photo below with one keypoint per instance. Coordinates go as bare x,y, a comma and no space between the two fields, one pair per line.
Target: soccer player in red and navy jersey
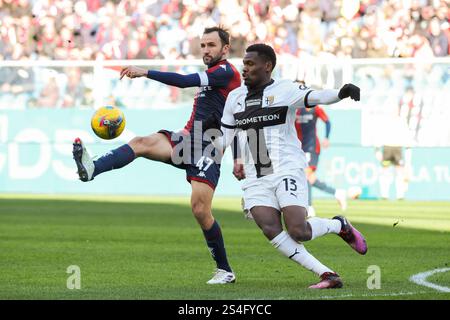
183,149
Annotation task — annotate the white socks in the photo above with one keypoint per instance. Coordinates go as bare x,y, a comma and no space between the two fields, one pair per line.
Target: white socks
386,177
298,253
321,226
401,185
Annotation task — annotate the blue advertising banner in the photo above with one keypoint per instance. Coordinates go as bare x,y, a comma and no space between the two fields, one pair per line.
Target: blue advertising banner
36,145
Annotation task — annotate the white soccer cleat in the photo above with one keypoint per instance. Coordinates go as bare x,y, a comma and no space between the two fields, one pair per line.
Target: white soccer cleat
341,197
222,277
84,162
354,192
311,212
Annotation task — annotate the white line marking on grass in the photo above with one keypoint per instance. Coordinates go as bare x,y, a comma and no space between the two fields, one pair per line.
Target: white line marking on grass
420,279
350,295
372,295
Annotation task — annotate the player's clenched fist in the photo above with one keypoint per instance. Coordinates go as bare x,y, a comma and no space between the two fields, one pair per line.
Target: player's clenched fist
349,90
132,72
238,170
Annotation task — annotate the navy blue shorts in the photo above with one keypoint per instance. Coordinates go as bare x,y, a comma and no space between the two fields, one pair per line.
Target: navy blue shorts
204,169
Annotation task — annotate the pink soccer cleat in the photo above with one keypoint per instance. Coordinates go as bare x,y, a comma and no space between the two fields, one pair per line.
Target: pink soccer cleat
328,280
352,236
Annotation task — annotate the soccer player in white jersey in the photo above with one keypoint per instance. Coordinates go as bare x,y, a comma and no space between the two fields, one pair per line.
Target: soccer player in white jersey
262,113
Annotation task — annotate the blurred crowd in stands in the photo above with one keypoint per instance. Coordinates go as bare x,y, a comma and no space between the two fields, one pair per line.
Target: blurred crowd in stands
170,29
148,29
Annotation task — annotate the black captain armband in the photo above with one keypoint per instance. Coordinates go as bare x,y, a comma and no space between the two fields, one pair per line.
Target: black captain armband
307,105
227,126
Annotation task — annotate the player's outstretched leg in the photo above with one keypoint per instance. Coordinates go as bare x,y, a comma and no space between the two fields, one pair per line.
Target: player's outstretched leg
302,230
83,160
269,221
298,253
88,168
352,236
153,147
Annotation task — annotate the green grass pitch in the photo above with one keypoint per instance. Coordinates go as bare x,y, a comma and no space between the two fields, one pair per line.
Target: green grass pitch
152,248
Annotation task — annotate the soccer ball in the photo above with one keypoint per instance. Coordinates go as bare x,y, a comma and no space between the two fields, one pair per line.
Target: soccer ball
108,122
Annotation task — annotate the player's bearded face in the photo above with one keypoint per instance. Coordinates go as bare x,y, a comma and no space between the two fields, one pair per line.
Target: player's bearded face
210,59
212,48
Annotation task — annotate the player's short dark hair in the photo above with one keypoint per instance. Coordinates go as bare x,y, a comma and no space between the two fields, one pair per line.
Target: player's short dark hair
264,51
223,34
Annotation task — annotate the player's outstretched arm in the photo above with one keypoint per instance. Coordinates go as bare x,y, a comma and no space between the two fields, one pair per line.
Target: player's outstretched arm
169,78
175,79
132,72
330,96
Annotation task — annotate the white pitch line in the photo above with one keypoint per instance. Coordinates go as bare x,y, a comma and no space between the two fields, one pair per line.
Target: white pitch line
420,279
350,295
372,295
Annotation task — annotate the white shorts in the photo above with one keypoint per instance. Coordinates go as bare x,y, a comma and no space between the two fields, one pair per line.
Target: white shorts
277,191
